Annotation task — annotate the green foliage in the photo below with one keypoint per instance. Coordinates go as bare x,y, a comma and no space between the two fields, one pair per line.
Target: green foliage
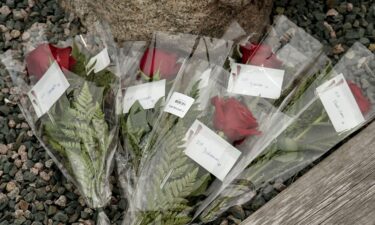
104,78
176,179
136,127
137,124
81,136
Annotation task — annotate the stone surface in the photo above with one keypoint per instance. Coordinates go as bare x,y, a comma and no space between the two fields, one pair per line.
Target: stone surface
61,201
136,20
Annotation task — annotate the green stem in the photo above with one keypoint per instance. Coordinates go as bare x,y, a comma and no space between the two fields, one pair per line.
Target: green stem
318,120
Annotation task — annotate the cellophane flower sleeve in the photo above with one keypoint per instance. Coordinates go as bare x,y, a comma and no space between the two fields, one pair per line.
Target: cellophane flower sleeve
67,93
267,70
271,67
148,73
208,52
336,104
223,196
192,145
167,52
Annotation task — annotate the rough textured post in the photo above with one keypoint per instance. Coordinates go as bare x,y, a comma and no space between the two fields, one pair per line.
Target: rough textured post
137,19
339,190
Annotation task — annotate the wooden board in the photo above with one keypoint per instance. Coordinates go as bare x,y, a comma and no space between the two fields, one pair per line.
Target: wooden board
338,191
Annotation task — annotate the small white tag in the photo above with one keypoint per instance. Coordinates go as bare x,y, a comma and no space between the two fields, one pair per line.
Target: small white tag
255,81
48,90
148,94
179,104
210,151
101,61
340,104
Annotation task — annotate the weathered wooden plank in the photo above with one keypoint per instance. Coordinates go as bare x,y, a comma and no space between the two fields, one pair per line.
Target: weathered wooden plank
338,191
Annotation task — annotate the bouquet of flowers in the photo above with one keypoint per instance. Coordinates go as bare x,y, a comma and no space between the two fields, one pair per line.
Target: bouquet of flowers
193,139
267,72
209,52
148,74
197,131
206,120
67,95
315,130
155,71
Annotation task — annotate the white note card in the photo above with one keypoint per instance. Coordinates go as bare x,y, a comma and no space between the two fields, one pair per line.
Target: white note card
101,61
255,81
210,150
48,89
340,104
148,94
179,104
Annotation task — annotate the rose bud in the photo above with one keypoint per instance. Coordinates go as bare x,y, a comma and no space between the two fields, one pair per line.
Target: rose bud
159,64
259,55
234,119
40,59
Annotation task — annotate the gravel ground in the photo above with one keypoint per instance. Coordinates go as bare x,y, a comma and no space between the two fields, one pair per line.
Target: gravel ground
33,191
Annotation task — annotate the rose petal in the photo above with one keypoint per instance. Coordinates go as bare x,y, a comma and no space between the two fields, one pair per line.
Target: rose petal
234,119
39,60
363,102
159,61
259,55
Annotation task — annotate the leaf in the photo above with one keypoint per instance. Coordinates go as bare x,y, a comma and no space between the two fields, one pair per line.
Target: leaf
176,179
104,78
80,134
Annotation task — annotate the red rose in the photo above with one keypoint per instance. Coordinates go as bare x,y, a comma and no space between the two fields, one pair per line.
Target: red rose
39,60
155,61
363,102
259,55
234,119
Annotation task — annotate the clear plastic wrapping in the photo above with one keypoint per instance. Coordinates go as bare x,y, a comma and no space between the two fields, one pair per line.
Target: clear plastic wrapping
269,70
148,72
67,94
199,124
315,129
211,126
147,76
272,67
193,144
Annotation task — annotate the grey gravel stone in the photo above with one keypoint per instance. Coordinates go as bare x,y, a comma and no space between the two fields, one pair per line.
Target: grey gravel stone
13,194
3,149
39,206
51,210
269,192
11,186
365,41
237,212
350,35
60,216
3,201
5,10
257,202
61,201
25,36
